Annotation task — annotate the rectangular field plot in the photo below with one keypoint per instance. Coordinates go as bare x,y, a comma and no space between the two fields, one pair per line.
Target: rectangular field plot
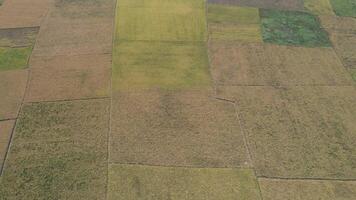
278,4
59,151
5,135
182,23
178,4
345,8
69,77
159,64
345,25
14,58
319,7
234,23
175,128
130,182
307,190
267,64
12,89
18,37
303,132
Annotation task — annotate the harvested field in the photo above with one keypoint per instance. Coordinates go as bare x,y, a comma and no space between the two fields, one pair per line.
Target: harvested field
345,8
130,182
175,128
307,190
138,65
292,28
69,77
59,151
23,13
268,64
234,23
5,135
18,37
276,4
345,25
345,46
12,89
161,23
299,131
319,7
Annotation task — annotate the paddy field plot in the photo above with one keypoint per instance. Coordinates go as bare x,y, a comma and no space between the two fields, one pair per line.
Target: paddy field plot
160,23
12,89
269,64
175,128
346,8
131,182
292,28
232,23
319,7
69,77
59,151
5,135
271,4
307,189
299,132
140,65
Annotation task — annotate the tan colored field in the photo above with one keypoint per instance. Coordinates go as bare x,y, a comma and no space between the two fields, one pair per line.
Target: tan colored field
175,128
267,64
69,77
133,182
12,89
59,151
307,189
299,131
5,135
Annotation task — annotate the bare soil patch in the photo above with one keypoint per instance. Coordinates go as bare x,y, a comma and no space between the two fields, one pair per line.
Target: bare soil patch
69,77
175,128
267,64
300,131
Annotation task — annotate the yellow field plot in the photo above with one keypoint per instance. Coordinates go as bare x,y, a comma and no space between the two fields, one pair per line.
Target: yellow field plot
234,23
319,7
132,182
161,24
307,189
181,4
299,132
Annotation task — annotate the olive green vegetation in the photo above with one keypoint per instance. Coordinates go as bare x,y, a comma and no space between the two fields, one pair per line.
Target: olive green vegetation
162,3
132,182
182,23
159,64
346,8
319,7
59,151
14,58
234,23
353,73
292,28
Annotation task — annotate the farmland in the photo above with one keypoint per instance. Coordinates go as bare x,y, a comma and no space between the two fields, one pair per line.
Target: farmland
178,99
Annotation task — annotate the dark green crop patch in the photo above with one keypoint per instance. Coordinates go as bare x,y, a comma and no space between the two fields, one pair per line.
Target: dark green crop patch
346,8
292,28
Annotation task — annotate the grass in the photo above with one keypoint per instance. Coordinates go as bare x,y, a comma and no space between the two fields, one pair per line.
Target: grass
159,64
304,131
14,58
234,23
182,23
319,7
6,130
59,151
181,128
292,28
307,190
353,74
132,182
345,8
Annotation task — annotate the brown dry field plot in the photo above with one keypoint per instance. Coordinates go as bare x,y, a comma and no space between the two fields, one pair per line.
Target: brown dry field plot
69,77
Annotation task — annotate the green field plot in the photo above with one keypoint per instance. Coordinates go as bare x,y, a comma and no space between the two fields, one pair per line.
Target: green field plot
345,8
130,182
161,24
234,23
301,131
307,190
178,4
175,128
12,89
270,64
59,151
5,130
159,64
292,28
319,7
14,58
